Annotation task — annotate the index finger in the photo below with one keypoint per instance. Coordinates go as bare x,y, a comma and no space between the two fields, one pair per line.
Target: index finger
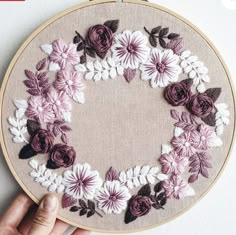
16,211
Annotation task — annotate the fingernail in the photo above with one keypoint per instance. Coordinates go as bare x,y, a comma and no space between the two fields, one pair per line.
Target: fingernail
50,203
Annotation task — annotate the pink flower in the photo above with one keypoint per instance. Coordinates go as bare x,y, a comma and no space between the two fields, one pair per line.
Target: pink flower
69,82
59,102
130,49
184,144
64,55
205,138
161,68
177,188
173,163
81,181
113,197
39,109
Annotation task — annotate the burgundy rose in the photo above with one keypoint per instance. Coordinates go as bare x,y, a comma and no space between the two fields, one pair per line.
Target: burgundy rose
177,93
140,205
100,38
42,141
200,105
61,156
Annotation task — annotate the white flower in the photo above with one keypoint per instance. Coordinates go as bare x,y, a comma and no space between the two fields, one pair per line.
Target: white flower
161,68
130,48
81,181
112,197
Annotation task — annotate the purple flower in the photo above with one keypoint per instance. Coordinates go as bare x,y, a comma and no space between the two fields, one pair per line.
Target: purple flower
100,38
176,45
173,163
183,144
61,156
39,109
200,105
140,205
113,197
161,68
42,141
81,181
64,55
177,188
177,93
130,49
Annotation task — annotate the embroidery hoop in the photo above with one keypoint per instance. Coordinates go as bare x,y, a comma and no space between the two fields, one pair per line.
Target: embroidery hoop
35,33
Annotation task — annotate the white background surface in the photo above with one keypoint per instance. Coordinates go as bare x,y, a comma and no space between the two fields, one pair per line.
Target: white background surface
215,213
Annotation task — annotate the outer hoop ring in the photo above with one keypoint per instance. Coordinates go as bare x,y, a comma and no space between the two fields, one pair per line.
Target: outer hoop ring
62,14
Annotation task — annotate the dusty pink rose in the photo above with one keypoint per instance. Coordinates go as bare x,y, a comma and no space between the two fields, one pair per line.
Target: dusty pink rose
173,163
100,38
177,93
140,205
61,156
200,105
42,141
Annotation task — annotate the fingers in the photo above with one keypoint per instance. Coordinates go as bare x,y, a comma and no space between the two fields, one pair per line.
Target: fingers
16,211
45,217
80,231
59,228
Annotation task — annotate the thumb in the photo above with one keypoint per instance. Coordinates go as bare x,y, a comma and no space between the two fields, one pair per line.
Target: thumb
45,217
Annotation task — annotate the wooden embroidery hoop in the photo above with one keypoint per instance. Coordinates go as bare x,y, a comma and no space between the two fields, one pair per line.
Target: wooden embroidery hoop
53,19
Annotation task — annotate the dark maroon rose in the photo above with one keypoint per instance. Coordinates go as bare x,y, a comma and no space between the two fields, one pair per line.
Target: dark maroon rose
42,141
178,93
140,205
100,38
200,105
61,156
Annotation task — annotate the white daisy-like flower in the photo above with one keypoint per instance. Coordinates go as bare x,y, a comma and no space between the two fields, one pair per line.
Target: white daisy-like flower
161,68
130,49
81,181
112,197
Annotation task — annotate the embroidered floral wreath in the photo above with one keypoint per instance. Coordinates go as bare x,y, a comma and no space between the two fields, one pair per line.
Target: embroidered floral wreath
44,117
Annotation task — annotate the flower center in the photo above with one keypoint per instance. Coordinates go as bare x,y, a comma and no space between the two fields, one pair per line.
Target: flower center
187,144
203,138
174,164
131,48
40,109
64,56
112,198
80,183
176,188
58,102
69,82
161,67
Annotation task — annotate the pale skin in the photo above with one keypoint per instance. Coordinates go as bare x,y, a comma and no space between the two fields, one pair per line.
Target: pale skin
24,218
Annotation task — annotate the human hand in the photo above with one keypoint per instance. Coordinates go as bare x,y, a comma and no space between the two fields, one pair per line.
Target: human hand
23,218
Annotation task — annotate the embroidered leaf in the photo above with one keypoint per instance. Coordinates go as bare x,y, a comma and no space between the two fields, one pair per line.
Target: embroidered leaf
81,46
153,40
41,64
91,205
83,59
21,104
111,175
163,32
53,67
129,217
156,30
32,126
174,114
221,117
199,165
213,93
173,36
29,74
27,152
112,25
158,187
90,213
74,209
83,212
51,165
145,190
90,51
210,119
67,201
47,48
64,138
129,74
188,82
165,149
82,203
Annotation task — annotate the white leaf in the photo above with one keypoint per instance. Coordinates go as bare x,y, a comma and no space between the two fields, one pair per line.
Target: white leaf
205,78
97,76
122,177
105,65
18,140
189,191
185,54
219,129
33,163
151,179
201,88
136,182
97,65
105,75
142,179
188,68
52,188
154,170
225,120
221,107
22,122
23,130
145,169
40,179
90,66
47,48
41,169
80,68
89,75
178,131
47,173
12,121
111,62
130,184
46,183
165,149
79,97
113,73
21,104
183,64
192,74
34,174
67,116
137,170
14,131
19,113
216,142
192,59
60,188
162,177
129,173
120,70
53,67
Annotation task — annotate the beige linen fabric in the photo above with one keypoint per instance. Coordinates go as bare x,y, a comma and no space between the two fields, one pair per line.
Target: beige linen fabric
121,124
